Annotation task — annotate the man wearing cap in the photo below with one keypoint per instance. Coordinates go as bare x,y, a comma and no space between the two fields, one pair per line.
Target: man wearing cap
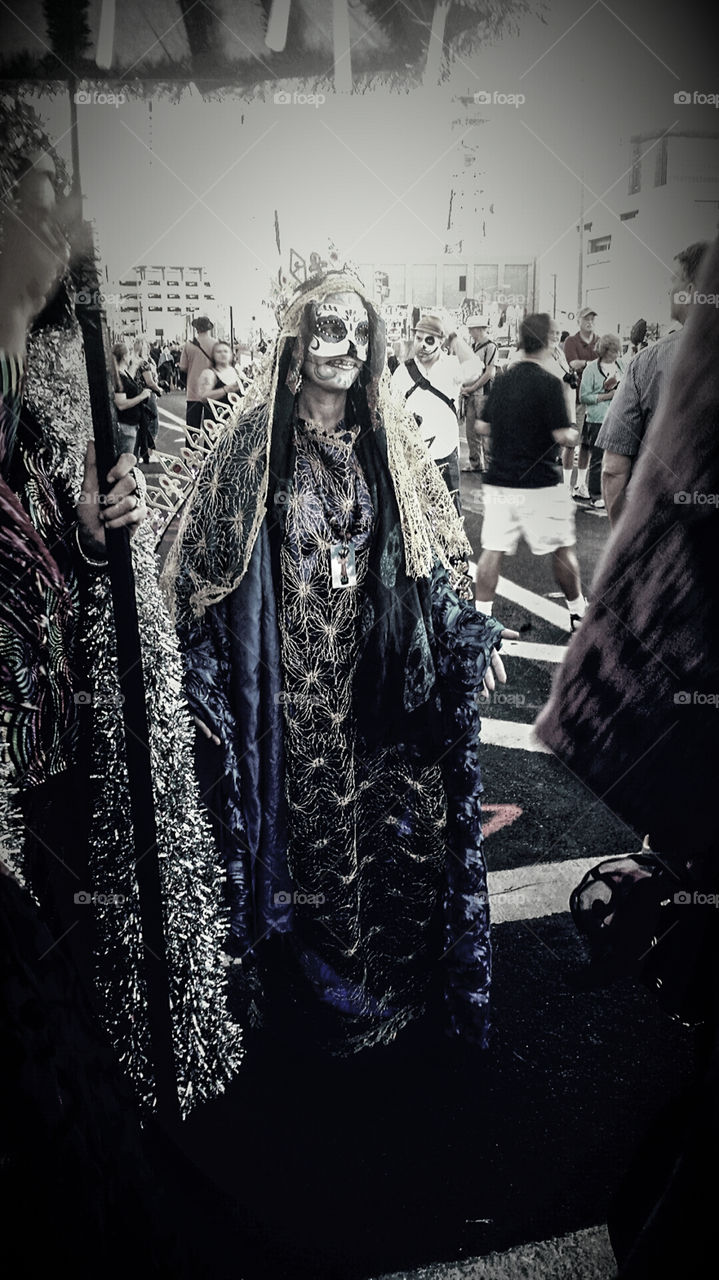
196,357
429,383
579,349
474,395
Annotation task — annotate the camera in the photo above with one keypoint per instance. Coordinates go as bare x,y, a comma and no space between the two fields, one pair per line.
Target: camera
571,379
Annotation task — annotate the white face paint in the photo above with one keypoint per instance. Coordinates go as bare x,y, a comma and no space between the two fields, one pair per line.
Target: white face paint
340,329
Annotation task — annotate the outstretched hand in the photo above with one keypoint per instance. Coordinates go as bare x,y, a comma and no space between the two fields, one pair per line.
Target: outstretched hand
495,673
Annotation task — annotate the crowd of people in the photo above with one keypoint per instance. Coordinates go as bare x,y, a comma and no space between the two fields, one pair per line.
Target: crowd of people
314,667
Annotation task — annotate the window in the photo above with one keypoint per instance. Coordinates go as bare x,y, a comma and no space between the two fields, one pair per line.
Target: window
209,297
173,283
173,295
154,282
172,308
624,217
128,308
600,244
128,284
154,295
154,308
194,296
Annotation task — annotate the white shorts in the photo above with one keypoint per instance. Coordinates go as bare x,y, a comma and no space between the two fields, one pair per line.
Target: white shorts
544,517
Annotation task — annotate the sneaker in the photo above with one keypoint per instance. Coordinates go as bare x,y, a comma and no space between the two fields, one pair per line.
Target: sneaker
580,493
576,619
599,504
472,469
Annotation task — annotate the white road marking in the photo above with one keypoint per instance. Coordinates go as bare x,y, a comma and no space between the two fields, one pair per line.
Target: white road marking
511,733
540,606
538,889
557,614
166,413
536,652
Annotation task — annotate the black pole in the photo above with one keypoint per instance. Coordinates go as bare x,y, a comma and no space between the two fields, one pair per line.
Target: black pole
98,362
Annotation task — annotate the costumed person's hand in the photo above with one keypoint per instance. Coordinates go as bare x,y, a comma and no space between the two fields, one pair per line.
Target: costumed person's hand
495,673
122,507
206,730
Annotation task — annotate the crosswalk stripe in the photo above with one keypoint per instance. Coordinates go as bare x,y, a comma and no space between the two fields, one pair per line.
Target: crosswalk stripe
536,652
538,889
511,733
557,614
166,413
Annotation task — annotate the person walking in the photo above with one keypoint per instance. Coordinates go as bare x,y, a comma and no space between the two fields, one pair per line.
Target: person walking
579,349
599,383
195,358
474,395
525,415
428,383
129,396
143,369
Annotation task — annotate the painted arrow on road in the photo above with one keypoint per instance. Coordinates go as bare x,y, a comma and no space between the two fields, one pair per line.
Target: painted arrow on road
501,815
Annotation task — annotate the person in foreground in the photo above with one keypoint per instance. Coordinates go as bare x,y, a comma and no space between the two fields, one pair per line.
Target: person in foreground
633,714
333,660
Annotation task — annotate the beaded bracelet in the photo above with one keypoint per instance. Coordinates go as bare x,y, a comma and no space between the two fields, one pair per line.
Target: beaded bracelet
94,564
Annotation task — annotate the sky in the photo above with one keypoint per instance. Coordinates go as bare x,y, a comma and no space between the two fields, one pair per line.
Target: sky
197,182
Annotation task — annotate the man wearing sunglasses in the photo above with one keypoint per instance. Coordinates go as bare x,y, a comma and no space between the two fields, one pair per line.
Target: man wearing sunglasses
429,382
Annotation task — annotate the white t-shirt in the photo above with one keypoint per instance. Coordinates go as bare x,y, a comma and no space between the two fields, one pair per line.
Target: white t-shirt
439,427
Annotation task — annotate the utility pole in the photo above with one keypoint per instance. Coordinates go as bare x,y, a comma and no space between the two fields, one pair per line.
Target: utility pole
580,276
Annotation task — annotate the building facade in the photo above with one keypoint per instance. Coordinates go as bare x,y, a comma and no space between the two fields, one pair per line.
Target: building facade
672,200
161,302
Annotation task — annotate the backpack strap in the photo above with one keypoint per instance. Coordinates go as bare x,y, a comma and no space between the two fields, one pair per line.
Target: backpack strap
424,384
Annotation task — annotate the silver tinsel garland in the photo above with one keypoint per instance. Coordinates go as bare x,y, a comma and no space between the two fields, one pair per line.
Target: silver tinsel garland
207,1042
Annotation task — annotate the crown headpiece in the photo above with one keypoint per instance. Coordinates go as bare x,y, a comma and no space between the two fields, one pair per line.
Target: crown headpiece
302,275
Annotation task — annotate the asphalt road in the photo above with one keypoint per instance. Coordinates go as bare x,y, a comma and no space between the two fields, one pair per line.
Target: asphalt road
425,1152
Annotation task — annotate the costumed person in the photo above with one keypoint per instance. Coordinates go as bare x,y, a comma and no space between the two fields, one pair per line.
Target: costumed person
333,660
633,715
60,702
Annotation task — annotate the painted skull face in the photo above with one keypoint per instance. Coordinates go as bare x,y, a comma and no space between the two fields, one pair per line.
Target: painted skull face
340,328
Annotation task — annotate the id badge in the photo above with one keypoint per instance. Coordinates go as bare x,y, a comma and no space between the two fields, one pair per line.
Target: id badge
342,561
